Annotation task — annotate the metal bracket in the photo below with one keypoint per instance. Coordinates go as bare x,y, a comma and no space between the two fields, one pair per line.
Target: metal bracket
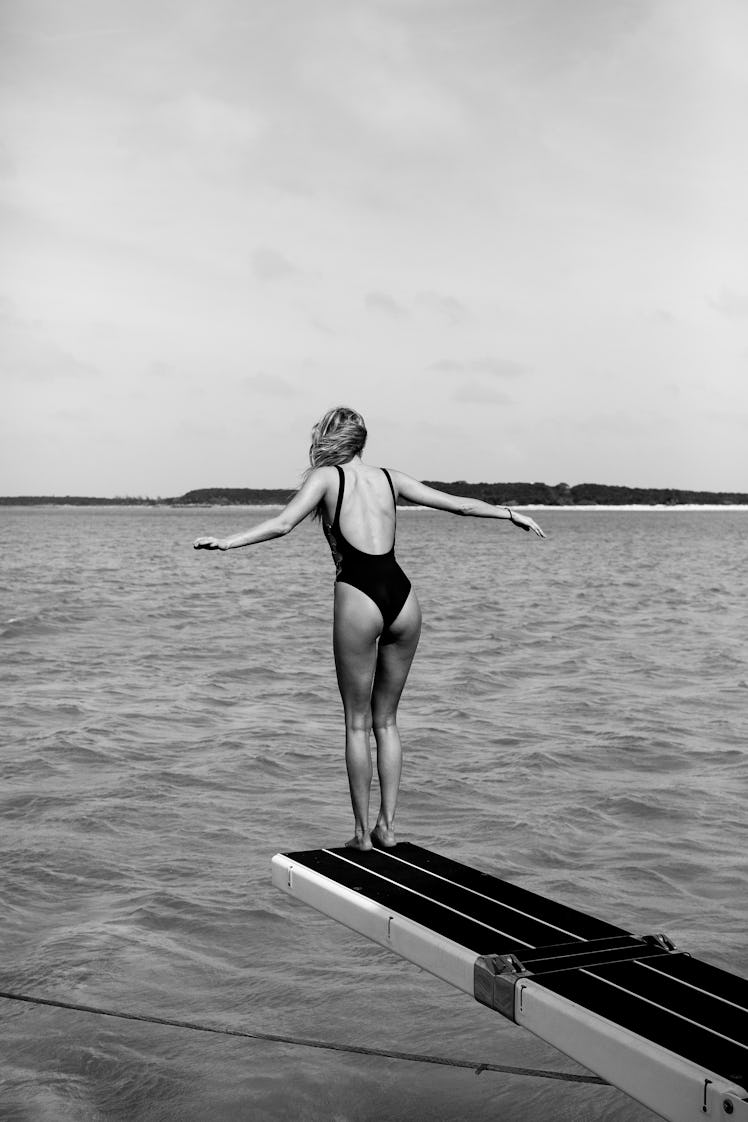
495,978
659,940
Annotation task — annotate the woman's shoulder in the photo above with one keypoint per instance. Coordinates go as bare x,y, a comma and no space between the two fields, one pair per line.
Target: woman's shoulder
324,472
398,477
320,480
378,471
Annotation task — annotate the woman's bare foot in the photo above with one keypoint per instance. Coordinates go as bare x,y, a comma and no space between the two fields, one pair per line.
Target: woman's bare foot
380,835
360,842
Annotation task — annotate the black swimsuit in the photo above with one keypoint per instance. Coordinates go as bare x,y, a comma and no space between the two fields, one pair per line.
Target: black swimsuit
377,575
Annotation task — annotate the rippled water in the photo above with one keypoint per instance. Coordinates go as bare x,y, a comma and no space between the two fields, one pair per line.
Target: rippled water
575,721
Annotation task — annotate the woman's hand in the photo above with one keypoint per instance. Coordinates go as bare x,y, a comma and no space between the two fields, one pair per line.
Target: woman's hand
211,543
526,523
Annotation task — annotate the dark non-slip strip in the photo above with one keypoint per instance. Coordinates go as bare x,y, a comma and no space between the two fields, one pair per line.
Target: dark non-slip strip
463,931
624,995
570,919
524,915
705,1008
527,928
695,974
664,989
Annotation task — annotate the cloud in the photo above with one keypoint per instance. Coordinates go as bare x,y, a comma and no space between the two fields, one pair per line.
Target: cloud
371,65
493,367
211,121
446,307
163,371
478,378
382,302
28,354
270,385
323,328
730,303
72,416
662,316
401,106
269,265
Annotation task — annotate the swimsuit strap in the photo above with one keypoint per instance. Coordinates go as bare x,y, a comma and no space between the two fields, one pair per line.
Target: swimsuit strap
341,490
389,480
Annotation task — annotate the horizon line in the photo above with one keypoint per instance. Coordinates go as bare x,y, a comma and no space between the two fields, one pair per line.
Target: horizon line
560,489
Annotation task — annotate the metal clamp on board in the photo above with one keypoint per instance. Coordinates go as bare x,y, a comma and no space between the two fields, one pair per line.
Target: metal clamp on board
660,940
495,977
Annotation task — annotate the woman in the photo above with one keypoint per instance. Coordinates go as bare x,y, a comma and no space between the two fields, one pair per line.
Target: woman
377,618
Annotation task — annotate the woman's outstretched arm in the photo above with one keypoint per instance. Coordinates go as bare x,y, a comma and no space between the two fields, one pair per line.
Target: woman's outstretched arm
416,492
303,503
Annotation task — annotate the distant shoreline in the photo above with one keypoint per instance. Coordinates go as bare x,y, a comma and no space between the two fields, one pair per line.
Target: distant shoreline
538,496
108,504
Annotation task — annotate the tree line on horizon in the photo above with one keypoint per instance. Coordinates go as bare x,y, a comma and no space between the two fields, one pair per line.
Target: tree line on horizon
498,494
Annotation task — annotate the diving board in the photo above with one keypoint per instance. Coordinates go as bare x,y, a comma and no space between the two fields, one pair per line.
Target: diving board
669,1030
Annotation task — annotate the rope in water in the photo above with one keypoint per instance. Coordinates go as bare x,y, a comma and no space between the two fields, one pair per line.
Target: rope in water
304,1042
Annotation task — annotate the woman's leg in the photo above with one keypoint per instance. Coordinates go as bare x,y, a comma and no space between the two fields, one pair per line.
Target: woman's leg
396,651
356,628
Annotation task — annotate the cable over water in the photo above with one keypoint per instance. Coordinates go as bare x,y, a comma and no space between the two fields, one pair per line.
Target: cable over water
304,1042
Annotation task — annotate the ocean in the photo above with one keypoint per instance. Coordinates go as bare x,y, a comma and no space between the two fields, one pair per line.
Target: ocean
575,721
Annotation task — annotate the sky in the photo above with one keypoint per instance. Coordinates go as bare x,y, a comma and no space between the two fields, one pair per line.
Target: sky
512,233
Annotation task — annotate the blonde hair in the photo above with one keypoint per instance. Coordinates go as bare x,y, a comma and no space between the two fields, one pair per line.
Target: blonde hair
337,437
